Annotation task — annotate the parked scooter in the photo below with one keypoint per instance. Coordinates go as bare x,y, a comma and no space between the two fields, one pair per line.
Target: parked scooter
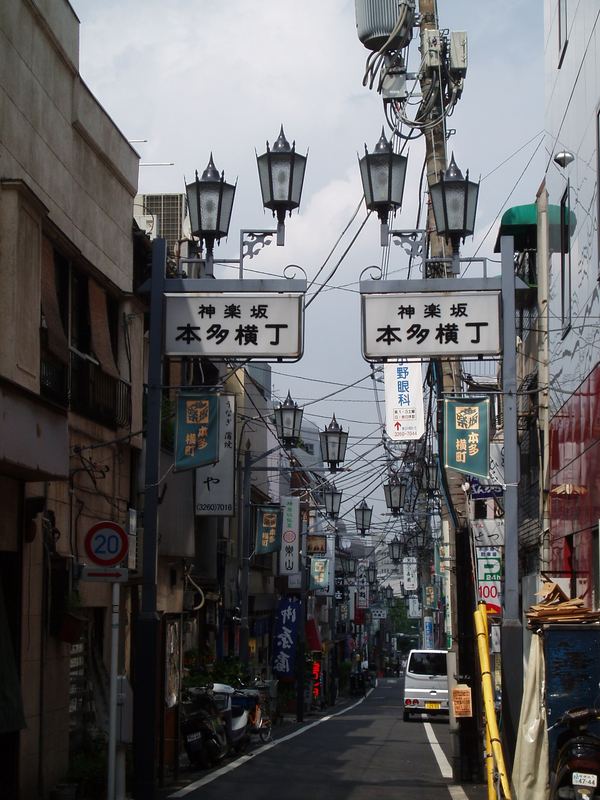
203,729
576,774
259,724
234,715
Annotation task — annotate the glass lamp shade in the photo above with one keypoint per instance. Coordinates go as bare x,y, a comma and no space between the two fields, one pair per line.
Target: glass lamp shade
371,573
389,592
363,515
351,566
281,174
288,421
454,201
383,173
210,202
332,499
394,492
333,444
394,548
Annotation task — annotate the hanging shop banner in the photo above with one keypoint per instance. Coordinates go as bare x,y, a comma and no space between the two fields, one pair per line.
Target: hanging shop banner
257,325
404,413
215,484
430,324
319,573
428,643
414,607
466,436
489,578
316,544
362,585
286,636
409,574
268,529
289,554
329,589
196,431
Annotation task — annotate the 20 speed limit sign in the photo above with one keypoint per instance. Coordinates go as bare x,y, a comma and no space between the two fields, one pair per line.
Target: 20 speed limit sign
106,544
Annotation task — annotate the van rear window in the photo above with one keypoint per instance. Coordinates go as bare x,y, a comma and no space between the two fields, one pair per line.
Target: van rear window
427,664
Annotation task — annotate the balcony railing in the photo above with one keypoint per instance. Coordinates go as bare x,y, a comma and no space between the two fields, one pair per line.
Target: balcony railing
84,388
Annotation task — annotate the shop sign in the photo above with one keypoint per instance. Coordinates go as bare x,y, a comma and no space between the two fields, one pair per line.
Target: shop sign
196,431
362,585
409,573
414,607
462,704
215,489
290,536
286,636
257,325
466,436
430,324
489,578
404,411
268,529
319,573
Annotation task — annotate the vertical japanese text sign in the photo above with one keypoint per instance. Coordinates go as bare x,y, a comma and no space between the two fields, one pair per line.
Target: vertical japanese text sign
286,634
362,585
215,483
290,536
268,529
197,431
410,577
404,414
466,436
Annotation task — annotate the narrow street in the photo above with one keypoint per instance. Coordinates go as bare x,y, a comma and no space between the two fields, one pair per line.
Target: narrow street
360,750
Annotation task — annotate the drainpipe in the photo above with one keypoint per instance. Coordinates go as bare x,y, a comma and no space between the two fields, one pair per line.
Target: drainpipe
542,269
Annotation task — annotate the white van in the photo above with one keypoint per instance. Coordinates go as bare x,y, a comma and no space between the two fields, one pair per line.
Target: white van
426,683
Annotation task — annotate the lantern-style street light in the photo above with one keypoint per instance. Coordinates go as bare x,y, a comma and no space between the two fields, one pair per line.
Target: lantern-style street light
371,573
350,570
394,549
333,444
281,175
389,592
210,202
332,499
362,515
288,422
454,201
395,492
383,173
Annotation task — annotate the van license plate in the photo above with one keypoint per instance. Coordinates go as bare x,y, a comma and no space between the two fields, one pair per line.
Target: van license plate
437,705
584,779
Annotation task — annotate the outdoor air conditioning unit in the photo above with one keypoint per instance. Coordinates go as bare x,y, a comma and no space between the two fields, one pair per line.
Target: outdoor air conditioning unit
376,20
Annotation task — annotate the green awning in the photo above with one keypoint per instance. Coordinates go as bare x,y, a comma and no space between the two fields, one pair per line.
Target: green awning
521,222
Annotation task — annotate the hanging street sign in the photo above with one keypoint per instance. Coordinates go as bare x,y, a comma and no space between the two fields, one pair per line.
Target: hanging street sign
430,324
266,326
404,413
410,578
215,482
466,436
268,529
196,431
489,578
106,544
289,554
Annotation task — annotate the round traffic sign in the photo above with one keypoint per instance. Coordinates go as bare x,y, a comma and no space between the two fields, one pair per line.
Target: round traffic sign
106,544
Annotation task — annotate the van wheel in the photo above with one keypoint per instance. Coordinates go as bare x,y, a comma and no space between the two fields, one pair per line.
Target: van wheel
406,716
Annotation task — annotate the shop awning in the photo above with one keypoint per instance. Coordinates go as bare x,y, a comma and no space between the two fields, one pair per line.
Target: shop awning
313,639
521,222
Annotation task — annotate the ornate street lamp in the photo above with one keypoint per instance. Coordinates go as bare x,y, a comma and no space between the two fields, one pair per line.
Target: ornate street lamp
371,574
383,173
333,444
332,499
362,514
389,592
281,174
395,492
454,201
288,422
394,549
210,202
350,570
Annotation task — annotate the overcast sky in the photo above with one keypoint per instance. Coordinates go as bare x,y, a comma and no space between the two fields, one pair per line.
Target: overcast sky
195,76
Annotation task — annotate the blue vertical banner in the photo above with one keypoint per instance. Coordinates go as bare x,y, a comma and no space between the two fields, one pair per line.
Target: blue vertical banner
268,529
467,437
286,637
197,431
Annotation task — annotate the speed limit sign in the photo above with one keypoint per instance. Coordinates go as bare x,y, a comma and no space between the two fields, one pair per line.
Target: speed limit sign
106,544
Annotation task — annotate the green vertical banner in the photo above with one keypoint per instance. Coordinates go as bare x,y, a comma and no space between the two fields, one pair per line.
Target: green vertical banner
268,529
319,573
197,431
467,436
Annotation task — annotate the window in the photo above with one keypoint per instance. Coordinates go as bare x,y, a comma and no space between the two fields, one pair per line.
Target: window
562,31
565,261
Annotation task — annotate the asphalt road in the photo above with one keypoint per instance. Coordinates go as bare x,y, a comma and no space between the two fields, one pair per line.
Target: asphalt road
363,751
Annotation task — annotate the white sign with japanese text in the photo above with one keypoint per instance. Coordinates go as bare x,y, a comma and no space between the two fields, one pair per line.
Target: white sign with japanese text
430,324
362,584
409,574
258,325
215,483
404,415
289,554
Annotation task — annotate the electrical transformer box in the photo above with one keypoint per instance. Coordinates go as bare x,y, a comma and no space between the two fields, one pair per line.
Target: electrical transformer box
431,44
458,53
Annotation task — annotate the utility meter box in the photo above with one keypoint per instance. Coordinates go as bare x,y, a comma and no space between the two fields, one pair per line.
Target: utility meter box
431,44
458,54
377,19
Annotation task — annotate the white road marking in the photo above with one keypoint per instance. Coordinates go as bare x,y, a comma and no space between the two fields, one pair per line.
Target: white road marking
243,759
456,792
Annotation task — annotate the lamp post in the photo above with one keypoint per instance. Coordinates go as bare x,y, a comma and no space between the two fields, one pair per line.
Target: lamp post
371,574
394,549
394,492
363,514
334,441
288,421
454,202
383,173
332,498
